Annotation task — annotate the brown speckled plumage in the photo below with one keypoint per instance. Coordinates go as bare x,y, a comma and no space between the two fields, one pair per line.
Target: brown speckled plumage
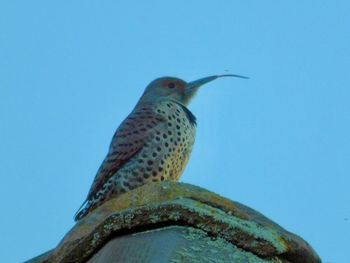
152,144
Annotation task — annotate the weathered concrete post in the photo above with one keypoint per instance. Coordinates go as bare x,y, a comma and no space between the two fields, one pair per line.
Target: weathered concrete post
176,222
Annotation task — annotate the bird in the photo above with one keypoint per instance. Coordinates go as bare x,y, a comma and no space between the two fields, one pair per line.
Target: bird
152,144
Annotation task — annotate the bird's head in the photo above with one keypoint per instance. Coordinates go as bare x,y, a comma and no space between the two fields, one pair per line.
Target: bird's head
170,88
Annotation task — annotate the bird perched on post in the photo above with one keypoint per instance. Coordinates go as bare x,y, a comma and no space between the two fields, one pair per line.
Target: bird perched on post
152,144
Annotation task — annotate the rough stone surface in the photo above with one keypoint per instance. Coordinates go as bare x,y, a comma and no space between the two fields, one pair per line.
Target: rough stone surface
175,244
157,205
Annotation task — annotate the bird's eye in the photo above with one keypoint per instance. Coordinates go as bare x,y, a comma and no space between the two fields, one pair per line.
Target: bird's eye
171,85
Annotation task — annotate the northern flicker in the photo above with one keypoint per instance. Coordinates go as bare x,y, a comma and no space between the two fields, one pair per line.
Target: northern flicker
152,144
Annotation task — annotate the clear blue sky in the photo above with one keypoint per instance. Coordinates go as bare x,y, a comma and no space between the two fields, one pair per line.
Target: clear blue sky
70,71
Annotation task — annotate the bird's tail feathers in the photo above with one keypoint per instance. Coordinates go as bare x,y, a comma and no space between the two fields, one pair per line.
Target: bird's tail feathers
82,211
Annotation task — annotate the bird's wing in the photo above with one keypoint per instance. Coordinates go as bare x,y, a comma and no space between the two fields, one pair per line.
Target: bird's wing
127,141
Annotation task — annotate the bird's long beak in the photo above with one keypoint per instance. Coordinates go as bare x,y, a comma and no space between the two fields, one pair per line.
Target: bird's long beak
192,87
